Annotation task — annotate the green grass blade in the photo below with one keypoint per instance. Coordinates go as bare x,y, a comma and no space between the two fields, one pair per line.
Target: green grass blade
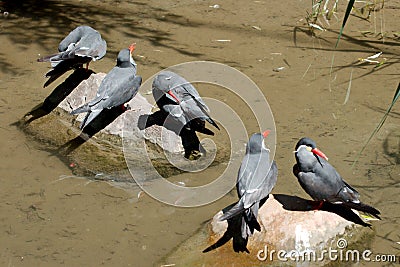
346,16
395,97
379,126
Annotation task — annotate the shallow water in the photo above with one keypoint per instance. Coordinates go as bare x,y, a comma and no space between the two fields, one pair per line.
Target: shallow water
47,219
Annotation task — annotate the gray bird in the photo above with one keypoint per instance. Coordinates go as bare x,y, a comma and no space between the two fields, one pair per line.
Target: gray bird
118,87
256,178
322,182
177,97
81,46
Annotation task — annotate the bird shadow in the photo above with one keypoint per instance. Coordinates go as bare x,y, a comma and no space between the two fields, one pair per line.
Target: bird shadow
391,145
291,203
57,96
105,117
233,232
52,101
295,203
190,141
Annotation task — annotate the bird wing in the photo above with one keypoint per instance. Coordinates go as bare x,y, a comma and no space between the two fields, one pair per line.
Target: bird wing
338,188
174,110
323,182
101,95
117,88
253,171
313,185
91,115
92,46
83,41
256,178
125,87
73,37
193,109
189,90
94,108
233,211
346,194
254,182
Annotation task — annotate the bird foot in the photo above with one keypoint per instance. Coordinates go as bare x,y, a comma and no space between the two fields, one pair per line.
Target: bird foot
193,155
126,107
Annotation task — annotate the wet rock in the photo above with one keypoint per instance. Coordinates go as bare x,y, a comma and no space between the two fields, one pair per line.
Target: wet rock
287,224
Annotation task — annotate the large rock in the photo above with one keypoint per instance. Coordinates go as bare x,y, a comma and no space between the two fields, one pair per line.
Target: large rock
139,105
287,224
102,154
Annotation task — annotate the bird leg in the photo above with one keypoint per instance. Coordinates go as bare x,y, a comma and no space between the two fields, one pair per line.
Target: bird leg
125,107
317,205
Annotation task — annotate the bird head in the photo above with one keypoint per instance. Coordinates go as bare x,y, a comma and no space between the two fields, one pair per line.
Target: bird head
132,48
164,84
124,59
256,143
310,146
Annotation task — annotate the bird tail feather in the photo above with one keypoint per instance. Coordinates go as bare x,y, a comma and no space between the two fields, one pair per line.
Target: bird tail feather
84,108
89,117
240,244
235,210
251,218
56,72
363,207
213,123
47,58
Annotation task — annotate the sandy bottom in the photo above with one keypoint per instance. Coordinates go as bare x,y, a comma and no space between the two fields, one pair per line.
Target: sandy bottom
49,218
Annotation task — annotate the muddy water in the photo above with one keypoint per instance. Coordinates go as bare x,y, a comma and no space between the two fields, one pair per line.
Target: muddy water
47,220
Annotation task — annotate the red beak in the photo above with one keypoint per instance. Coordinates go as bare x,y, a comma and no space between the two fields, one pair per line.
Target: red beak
132,47
318,152
266,133
174,96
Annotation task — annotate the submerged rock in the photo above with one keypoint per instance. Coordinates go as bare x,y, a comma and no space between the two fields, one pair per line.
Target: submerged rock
291,232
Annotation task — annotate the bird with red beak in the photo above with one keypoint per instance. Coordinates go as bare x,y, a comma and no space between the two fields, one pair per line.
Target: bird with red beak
180,99
119,86
321,180
256,178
